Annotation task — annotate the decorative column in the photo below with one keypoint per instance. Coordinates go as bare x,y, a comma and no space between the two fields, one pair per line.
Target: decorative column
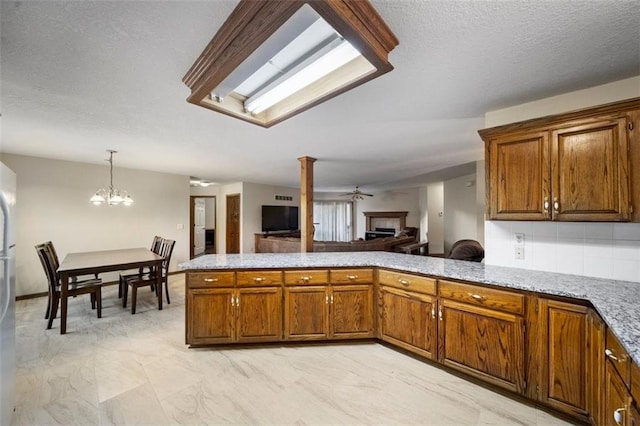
306,203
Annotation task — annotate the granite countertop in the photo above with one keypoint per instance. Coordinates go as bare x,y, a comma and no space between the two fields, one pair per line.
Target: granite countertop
617,302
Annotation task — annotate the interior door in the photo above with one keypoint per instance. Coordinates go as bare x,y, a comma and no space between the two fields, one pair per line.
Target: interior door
233,223
198,226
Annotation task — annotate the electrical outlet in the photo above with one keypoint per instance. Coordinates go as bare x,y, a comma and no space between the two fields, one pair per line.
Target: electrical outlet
519,239
518,253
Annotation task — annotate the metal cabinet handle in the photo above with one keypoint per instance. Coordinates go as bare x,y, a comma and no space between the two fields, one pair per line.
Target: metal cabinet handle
210,280
352,277
545,205
477,296
440,313
556,205
326,299
258,279
233,303
617,415
403,282
237,300
609,353
332,299
305,278
433,312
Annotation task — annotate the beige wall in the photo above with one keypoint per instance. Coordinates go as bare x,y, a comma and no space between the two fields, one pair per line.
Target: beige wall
53,204
435,217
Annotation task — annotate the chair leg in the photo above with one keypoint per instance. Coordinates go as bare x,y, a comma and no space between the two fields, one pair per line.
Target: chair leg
120,282
134,296
46,315
93,300
166,287
53,310
98,296
125,291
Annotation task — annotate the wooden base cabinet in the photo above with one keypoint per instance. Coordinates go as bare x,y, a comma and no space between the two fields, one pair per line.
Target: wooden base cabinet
564,356
210,316
409,320
482,342
234,315
617,405
329,312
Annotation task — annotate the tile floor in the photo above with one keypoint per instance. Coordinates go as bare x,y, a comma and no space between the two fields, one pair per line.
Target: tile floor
123,369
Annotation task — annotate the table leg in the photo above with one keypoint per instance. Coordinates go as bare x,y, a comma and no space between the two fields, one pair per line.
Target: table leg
159,286
64,292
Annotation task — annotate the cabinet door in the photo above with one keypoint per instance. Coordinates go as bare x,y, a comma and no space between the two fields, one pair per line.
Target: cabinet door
306,313
565,354
633,133
617,399
482,342
351,311
210,316
590,172
518,177
634,418
408,321
259,313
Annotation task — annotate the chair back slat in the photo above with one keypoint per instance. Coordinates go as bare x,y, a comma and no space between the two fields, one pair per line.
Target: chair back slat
157,243
166,250
48,264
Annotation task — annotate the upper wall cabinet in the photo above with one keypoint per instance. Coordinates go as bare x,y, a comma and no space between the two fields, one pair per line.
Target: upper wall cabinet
577,166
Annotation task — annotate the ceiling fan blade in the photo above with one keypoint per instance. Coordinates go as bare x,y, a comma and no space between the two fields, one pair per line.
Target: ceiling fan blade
345,194
366,195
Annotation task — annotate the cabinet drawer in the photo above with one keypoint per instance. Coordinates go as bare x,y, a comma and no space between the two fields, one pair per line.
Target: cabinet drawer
318,276
481,296
635,383
259,278
210,279
344,276
618,357
408,282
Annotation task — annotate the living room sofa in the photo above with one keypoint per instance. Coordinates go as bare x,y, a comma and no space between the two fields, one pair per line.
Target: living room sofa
276,244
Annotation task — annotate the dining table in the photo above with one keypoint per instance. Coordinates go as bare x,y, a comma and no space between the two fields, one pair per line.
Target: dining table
96,262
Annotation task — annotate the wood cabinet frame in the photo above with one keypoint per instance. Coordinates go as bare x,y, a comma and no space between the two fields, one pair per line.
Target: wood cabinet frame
529,177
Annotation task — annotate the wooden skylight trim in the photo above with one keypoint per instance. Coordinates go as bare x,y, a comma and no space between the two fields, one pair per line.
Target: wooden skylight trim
253,21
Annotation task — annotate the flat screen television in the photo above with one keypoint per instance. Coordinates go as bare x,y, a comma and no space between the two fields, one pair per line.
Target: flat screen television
279,218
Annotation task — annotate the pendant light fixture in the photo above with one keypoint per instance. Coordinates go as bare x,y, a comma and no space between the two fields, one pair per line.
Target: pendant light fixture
111,196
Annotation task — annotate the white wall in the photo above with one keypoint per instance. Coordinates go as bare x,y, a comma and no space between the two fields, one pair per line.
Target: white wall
606,250
53,204
460,210
435,215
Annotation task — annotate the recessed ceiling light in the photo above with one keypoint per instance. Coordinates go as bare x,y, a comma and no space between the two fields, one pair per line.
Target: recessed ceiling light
274,59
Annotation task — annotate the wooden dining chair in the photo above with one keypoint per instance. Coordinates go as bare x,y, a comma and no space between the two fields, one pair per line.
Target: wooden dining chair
76,287
136,281
155,247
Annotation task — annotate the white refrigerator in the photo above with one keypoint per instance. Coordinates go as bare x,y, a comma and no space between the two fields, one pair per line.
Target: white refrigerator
7,293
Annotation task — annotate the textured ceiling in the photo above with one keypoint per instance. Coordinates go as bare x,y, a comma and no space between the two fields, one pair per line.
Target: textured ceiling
80,77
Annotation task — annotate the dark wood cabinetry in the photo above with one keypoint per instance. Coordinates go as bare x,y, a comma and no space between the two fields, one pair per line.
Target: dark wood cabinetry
553,350
329,311
568,167
565,356
483,342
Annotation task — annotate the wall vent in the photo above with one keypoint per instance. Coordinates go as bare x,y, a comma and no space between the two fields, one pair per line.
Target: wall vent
284,198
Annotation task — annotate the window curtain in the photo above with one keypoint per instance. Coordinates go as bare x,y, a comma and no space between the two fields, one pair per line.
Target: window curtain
333,220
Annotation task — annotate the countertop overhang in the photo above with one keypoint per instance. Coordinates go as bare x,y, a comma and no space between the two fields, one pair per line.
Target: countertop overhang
617,302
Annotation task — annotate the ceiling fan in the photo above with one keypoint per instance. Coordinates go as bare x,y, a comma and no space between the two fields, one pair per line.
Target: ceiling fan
356,194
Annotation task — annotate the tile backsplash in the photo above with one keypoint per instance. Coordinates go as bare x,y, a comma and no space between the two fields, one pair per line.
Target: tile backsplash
603,250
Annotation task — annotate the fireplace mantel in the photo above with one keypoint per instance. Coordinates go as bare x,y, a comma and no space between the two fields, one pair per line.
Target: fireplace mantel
399,219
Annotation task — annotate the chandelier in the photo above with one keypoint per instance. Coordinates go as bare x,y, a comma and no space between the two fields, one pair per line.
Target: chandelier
111,196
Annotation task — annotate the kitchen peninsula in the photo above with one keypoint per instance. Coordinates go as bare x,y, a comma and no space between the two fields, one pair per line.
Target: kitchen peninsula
569,342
